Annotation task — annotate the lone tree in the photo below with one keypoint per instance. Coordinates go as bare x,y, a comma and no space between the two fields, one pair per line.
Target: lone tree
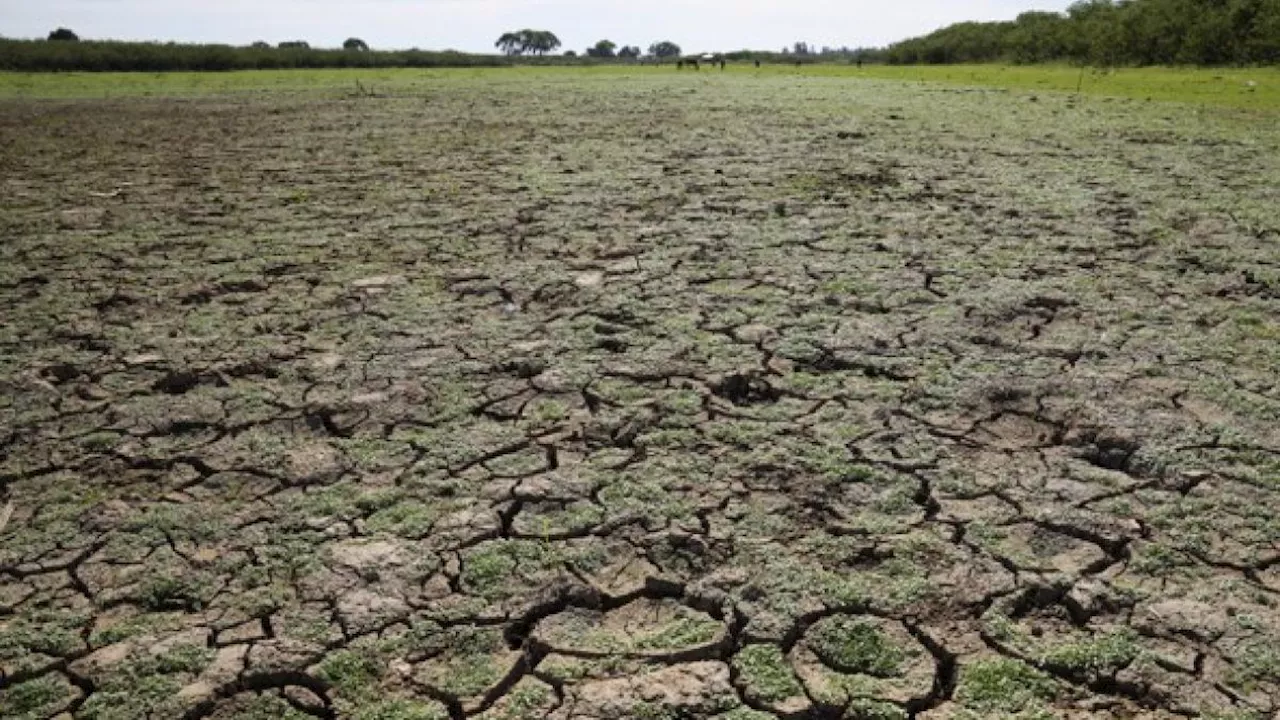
603,49
664,49
355,44
261,45
629,52
533,42
64,35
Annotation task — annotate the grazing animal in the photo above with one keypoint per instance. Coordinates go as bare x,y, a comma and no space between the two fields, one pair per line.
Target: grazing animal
757,64
722,66
679,64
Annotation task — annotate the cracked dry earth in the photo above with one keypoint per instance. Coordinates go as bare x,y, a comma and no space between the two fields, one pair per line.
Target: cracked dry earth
533,395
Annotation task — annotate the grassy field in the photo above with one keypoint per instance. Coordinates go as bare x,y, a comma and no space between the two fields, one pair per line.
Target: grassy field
1253,89
638,394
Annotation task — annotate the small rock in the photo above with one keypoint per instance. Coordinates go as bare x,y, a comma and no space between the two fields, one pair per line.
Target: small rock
328,361
103,659
198,690
551,381
592,279
359,555
373,398
93,393
754,333
206,556
624,267
377,281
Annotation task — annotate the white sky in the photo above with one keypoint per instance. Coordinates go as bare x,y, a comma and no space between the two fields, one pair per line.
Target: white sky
473,25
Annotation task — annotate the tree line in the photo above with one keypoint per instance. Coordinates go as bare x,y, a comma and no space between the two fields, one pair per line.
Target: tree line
64,51
1111,33
542,42
41,56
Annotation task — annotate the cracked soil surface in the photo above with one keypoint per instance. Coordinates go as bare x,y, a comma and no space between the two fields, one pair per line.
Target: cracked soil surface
638,395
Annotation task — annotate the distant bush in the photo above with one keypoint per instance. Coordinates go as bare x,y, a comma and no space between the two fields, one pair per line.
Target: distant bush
64,35
665,49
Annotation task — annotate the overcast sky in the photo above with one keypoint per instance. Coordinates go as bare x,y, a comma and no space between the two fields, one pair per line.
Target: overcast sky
696,25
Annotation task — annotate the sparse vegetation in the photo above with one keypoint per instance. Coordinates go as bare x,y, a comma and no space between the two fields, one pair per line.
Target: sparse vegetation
856,646
353,673
1003,685
322,401
765,673
1103,654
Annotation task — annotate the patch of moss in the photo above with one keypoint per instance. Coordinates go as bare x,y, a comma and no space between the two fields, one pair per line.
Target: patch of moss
410,518
1231,715
400,709
33,699
268,707
470,676
128,697
46,632
854,646
745,713
352,673
169,592
565,669
182,659
525,702
1003,685
486,569
684,632
864,709
468,666
765,672
125,629
1100,654
1256,662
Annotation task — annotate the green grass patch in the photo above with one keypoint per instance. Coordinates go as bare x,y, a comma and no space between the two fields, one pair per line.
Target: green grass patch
765,672
1003,685
856,646
1207,86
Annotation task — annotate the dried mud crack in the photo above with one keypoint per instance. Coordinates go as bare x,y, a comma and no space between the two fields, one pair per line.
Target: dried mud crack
639,396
